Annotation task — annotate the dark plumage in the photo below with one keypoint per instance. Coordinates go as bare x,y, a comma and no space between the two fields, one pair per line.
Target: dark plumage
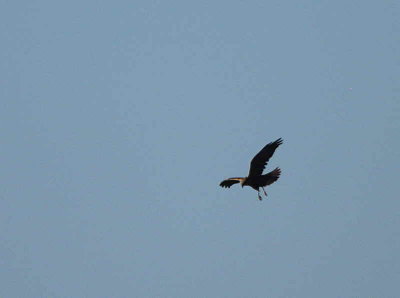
256,179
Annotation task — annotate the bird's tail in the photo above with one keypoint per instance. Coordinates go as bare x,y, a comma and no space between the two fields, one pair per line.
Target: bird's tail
271,177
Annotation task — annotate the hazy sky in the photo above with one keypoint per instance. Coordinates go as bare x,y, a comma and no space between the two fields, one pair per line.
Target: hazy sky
120,118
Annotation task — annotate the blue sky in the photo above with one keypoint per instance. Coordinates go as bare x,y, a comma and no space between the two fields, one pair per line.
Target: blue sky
119,119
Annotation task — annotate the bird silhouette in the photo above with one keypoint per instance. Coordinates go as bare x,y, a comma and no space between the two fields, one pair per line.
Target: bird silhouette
256,179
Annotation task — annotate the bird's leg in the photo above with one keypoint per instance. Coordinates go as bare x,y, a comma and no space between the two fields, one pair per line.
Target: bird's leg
259,197
264,191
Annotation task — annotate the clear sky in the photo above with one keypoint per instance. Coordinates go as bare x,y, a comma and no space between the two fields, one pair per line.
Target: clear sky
120,118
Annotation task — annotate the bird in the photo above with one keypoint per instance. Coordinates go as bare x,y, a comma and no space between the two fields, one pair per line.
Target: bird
255,178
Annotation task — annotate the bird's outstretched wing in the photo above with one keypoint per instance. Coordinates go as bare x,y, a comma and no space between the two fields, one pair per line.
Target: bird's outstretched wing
271,177
230,181
259,161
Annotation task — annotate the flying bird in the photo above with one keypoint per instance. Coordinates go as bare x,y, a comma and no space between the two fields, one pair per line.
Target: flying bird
256,179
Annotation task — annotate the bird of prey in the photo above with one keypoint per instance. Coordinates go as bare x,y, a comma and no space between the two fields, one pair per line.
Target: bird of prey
256,179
